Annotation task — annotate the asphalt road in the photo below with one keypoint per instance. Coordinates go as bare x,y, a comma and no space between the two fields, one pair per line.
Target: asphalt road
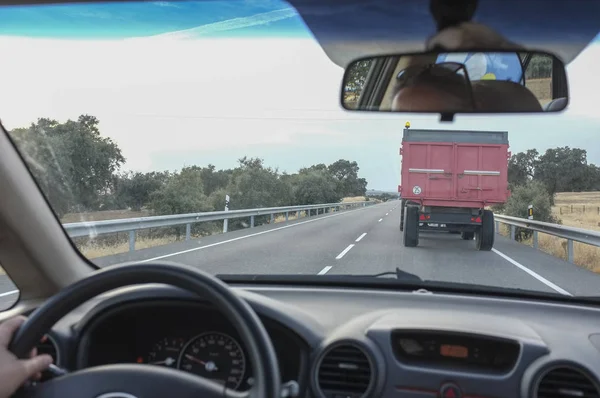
367,241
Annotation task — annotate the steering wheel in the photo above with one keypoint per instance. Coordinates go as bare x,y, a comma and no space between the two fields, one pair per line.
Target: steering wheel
144,381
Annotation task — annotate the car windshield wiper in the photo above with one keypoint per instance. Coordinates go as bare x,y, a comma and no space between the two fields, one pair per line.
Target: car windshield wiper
398,273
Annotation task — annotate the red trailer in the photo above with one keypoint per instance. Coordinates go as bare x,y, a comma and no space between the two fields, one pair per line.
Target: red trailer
449,177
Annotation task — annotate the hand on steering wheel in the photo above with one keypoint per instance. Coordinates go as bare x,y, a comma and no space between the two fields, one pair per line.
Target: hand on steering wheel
139,380
13,371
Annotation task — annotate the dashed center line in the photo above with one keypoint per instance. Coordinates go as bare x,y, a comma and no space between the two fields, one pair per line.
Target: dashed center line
380,220
343,253
325,270
387,214
360,237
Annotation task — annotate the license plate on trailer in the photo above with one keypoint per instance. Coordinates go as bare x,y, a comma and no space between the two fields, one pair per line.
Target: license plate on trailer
433,225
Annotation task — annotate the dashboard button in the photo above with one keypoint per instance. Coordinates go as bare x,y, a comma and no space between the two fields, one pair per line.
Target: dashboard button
450,391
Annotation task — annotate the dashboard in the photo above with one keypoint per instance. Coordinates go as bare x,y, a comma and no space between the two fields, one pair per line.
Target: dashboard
349,343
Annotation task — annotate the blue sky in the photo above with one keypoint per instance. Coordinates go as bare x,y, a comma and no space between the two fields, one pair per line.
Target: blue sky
198,83
122,20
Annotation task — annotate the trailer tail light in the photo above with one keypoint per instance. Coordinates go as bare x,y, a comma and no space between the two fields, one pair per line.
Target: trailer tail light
475,219
424,217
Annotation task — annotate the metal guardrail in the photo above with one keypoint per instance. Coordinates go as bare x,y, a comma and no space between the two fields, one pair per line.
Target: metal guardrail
571,234
131,225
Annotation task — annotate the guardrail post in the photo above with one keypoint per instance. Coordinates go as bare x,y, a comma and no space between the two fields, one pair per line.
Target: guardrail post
298,213
512,232
497,227
287,215
188,231
535,239
570,253
132,241
226,221
272,218
251,221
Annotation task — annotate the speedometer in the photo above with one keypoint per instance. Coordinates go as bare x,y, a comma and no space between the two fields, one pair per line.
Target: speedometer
214,356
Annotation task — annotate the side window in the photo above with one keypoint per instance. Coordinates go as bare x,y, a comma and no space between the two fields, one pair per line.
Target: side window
355,80
9,294
538,77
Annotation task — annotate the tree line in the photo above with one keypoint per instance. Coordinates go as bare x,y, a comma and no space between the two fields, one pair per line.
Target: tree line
561,169
534,179
79,170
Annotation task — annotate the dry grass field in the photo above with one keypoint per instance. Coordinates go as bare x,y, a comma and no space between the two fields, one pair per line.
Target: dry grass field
541,88
575,209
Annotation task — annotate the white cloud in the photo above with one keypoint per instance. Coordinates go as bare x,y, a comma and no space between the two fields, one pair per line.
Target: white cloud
232,24
166,4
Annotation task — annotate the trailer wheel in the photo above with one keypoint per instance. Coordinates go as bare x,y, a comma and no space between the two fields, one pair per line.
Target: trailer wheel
467,235
402,207
411,226
485,235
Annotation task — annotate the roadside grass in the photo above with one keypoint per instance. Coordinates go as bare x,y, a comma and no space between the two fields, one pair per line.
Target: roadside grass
354,199
103,215
95,249
574,209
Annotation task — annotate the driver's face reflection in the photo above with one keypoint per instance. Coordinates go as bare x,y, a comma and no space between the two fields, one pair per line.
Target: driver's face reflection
425,98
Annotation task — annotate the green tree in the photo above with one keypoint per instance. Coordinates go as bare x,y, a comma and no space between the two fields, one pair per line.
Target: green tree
73,164
346,174
254,185
532,193
354,81
539,67
563,169
521,167
214,179
183,193
315,187
134,190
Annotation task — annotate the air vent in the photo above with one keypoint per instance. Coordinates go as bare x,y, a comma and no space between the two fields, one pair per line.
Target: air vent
345,370
566,382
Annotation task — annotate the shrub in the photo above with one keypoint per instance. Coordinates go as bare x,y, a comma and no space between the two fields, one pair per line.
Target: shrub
532,193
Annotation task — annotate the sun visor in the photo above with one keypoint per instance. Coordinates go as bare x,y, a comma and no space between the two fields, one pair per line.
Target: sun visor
354,29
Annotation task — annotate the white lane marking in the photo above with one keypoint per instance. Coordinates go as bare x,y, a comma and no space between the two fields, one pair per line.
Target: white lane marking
532,273
360,237
325,270
387,214
380,220
9,293
248,236
343,253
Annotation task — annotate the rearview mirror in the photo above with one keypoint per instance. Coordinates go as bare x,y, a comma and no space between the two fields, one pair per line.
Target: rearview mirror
457,82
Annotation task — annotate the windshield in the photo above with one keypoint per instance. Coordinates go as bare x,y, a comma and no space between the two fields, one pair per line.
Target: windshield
170,130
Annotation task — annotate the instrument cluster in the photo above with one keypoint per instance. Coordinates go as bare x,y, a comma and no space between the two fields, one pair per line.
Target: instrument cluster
193,338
